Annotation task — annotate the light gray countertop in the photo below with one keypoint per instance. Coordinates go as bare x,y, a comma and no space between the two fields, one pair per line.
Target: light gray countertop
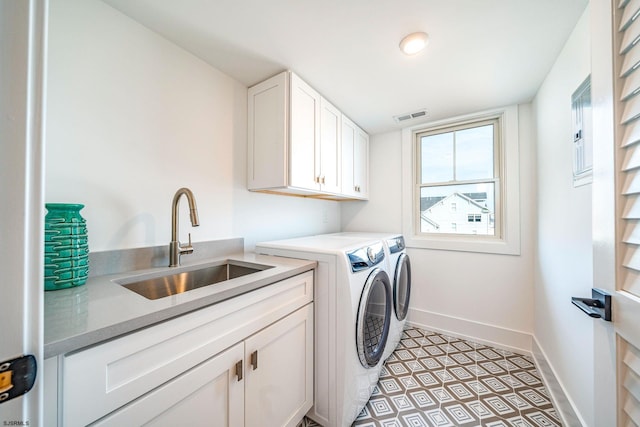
102,309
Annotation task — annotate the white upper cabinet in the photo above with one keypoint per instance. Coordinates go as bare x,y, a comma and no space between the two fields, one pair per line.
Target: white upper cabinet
268,134
355,160
304,122
329,153
295,141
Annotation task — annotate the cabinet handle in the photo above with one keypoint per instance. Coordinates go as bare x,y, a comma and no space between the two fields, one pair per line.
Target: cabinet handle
254,360
322,180
239,370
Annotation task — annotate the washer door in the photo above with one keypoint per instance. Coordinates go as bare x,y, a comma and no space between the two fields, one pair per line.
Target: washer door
374,318
402,287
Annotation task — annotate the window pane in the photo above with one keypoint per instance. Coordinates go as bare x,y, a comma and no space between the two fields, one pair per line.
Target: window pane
474,211
437,157
474,153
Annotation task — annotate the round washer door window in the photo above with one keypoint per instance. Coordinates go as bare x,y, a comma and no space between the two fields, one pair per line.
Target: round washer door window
374,317
402,287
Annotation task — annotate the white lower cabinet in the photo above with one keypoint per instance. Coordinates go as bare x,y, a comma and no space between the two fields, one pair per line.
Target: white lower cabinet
264,381
245,361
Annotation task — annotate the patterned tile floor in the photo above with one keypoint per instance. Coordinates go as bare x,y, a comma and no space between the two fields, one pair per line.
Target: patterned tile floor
437,380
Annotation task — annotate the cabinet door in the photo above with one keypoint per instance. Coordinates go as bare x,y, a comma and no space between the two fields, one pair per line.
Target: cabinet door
211,394
355,160
304,135
268,109
279,371
348,146
329,152
361,164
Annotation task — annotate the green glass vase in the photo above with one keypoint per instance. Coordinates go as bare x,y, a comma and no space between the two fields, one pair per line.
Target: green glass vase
66,247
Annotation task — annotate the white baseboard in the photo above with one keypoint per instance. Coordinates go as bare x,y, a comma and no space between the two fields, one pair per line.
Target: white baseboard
496,336
561,401
507,339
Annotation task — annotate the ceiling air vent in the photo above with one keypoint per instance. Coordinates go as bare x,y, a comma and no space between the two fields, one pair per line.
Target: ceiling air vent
410,116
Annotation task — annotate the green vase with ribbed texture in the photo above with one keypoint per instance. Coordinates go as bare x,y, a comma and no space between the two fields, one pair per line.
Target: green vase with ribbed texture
66,247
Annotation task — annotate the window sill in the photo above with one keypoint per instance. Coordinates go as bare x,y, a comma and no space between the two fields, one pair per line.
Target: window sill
463,244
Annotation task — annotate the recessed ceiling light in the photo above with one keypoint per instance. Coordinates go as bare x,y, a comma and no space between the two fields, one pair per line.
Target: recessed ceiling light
414,43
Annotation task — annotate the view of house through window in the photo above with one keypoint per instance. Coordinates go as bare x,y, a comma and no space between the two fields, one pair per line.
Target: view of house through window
458,179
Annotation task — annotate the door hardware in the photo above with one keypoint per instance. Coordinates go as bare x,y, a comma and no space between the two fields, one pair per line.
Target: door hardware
598,306
17,377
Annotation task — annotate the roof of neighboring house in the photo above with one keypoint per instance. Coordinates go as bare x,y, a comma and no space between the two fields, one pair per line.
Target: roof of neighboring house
428,202
429,220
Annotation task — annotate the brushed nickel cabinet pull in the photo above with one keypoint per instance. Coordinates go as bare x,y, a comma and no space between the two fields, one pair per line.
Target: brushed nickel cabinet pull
254,360
239,370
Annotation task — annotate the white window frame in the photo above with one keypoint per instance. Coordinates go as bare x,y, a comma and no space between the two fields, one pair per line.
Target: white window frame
507,239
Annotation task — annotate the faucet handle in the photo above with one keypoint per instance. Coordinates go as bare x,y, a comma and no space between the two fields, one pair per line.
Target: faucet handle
186,249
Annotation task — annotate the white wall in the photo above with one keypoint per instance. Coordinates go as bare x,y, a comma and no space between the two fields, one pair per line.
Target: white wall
564,253
485,296
132,117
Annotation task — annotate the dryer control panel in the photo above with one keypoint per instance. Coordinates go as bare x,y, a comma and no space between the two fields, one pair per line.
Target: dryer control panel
366,257
396,244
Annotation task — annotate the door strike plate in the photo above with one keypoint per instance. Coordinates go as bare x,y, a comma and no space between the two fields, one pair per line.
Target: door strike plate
598,306
17,377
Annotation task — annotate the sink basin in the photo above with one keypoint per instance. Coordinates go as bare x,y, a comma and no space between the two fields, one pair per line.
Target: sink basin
176,283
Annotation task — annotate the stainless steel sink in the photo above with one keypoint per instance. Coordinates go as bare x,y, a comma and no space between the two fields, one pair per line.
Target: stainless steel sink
175,283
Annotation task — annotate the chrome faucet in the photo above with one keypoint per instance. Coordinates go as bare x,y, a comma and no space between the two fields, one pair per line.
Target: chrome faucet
175,248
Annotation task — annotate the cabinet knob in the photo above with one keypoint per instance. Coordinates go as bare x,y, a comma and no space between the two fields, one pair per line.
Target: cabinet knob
254,360
322,179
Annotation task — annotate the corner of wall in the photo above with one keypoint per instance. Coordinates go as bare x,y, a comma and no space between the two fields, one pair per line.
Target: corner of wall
561,400
495,336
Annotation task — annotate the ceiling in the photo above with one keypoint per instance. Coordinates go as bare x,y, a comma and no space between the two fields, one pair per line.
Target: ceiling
482,54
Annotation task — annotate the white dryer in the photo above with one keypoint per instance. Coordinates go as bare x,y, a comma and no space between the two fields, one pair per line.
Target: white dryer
399,271
353,308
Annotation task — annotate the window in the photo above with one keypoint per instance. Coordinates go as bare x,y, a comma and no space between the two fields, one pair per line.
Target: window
458,167
463,171
474,218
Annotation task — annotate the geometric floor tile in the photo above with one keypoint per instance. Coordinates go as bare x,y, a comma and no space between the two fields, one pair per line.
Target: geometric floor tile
438,380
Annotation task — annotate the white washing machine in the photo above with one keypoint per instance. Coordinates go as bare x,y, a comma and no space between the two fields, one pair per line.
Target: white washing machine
399,270
353,308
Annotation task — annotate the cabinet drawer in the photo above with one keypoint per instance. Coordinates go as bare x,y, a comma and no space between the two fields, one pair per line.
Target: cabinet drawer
208,395
111,374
